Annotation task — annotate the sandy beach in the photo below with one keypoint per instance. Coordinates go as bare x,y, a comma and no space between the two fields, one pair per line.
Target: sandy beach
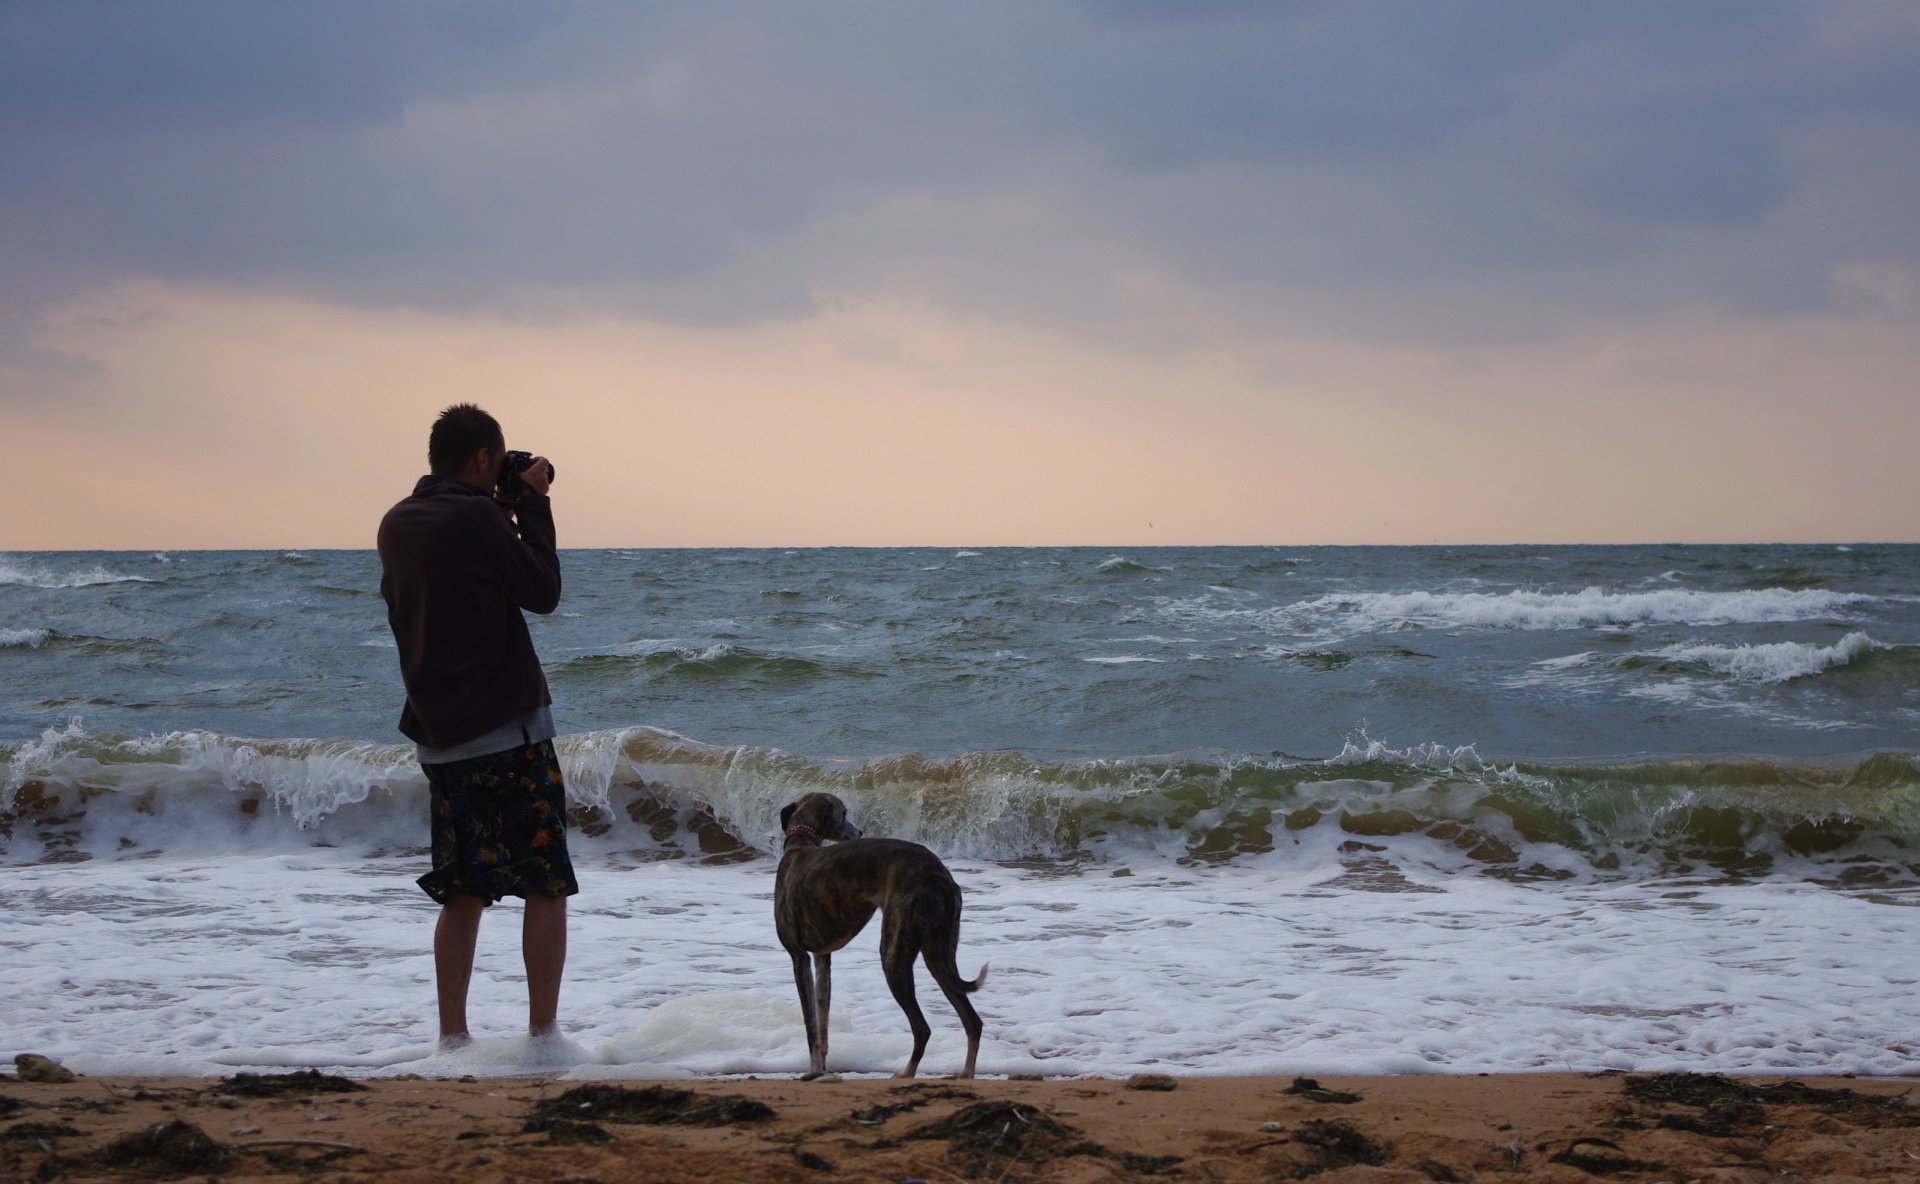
1549,1127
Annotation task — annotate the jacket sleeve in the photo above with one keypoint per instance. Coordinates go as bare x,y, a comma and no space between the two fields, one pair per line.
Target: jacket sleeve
527,564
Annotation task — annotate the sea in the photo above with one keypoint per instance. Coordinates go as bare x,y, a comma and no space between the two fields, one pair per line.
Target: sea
1248,810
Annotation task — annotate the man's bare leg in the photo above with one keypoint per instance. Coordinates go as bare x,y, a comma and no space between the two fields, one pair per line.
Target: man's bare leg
543,946
454,939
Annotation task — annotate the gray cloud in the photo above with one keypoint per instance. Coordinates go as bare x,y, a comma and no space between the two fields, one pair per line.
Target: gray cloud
1446,170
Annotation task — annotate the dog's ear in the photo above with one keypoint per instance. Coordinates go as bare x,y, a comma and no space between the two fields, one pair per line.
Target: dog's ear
786,812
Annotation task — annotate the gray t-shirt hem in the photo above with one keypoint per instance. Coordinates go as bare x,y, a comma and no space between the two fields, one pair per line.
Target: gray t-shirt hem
531,728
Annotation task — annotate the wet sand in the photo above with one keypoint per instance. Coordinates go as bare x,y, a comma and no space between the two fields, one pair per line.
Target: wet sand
1547,1127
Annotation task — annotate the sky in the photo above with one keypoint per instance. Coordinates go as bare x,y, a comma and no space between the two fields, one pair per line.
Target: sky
1100,272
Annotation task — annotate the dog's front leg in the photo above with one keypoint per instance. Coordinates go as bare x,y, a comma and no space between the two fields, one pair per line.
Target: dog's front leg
822,1004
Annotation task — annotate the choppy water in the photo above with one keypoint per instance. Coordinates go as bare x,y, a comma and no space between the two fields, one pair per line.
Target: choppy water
1217,809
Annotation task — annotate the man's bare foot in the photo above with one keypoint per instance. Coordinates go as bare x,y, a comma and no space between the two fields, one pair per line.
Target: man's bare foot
452,1040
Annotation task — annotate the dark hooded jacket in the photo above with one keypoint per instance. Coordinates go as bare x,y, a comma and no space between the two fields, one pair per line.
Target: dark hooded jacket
455,573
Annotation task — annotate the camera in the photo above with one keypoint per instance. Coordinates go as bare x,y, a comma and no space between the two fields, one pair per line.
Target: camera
512,488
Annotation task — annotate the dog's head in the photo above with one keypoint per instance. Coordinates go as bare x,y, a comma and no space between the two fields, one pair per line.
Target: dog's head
819,816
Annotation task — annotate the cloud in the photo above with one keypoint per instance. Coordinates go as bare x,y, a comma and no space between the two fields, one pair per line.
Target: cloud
1444,172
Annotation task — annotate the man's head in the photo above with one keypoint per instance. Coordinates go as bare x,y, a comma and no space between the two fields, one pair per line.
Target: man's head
458,436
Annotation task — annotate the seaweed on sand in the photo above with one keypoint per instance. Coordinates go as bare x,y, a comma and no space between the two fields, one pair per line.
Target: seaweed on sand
1730,1105
653,1105
1312,1090
276,1085
567,1130
1337,1144
173,1147
33,1132
1599,1163
1002,1132
917,1096
997,1135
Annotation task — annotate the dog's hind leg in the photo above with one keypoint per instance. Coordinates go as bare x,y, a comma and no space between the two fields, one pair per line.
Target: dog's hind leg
816,995
822,1004
803,983
942,946
898,949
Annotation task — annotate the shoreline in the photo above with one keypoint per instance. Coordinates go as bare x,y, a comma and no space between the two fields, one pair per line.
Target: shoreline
1536,1126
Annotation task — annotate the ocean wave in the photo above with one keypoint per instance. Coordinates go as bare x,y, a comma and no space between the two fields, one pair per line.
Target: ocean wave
653,794
1589,608
32,576
1775,662
722,662
1758,664
54,639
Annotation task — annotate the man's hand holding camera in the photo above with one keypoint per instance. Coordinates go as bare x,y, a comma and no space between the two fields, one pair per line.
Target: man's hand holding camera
521,474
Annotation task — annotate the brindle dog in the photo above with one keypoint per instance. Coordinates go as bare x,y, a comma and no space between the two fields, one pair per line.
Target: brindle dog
823,896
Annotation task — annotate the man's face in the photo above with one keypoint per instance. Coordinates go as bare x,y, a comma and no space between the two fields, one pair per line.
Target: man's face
496,458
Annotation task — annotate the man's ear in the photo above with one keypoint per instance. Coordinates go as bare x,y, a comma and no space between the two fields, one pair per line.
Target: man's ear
786,812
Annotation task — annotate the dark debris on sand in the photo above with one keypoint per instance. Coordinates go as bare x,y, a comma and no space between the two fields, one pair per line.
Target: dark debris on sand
171,1147
1729,1107
993,1132
278,1085
567,1130
916,1097
1313,1091
992,1136
1336,1144
33,1132
653,1105
1590,1155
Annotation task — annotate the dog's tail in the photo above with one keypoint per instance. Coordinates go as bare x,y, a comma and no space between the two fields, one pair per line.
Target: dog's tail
979,980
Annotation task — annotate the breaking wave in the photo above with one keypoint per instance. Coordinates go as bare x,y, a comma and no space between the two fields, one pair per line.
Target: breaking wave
718,663
651,794
13,573
1775,662
1590,608
1779,662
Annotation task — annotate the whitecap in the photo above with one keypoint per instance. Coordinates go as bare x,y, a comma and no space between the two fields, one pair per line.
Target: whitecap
1524,609
1781,661
30,576
30,639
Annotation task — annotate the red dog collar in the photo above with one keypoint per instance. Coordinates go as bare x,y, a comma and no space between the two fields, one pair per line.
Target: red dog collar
798,829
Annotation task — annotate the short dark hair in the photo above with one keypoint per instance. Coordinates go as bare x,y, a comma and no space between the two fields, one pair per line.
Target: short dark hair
462,430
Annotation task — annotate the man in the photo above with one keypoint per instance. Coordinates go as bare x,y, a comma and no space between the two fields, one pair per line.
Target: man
458,564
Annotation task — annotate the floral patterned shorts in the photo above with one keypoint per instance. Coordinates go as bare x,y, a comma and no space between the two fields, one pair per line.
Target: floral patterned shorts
500,827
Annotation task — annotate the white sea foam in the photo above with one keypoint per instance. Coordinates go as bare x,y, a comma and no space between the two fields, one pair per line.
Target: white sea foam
1120,563
1781,661
36,576
1586,609
1771,662
321,960
1363,749
1590,608
11,639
